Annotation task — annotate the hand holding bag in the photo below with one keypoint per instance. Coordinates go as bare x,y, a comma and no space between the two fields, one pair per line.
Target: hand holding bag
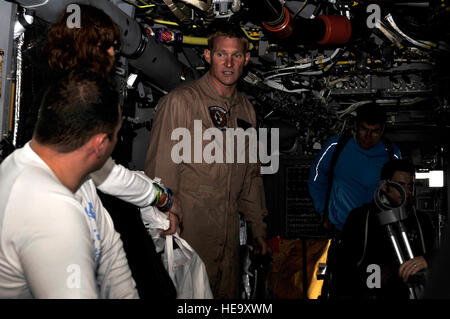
184,265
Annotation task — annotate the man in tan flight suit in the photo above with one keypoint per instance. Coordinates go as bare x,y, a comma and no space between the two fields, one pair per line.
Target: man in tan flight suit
211,194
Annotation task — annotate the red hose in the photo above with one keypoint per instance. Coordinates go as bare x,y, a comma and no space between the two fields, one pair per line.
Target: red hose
338,29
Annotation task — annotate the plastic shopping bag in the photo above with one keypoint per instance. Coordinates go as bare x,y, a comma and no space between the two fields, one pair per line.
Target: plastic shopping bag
184,265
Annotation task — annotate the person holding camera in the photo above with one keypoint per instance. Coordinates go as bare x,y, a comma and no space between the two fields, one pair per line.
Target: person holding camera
369,267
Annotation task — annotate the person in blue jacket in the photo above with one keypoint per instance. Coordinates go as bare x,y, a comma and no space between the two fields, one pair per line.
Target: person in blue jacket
356,171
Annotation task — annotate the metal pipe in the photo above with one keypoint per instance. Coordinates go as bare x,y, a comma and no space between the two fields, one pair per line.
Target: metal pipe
152,58
395,244
325,29
405,239
20,42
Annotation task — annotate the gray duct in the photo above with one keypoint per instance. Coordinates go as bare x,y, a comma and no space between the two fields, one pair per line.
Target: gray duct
142,50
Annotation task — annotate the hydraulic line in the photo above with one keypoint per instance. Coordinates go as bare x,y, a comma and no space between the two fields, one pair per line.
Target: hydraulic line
422,44
176,10
249,36
143,51
195,40
166,22
18,88
204,6
140,7
167,36
325,29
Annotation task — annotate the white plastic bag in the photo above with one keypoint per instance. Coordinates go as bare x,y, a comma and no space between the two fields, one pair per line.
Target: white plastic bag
184,265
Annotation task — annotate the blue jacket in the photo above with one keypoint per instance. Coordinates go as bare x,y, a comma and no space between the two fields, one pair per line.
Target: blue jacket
356,177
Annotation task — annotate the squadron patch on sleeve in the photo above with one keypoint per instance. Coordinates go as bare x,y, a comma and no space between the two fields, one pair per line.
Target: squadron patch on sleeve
219,117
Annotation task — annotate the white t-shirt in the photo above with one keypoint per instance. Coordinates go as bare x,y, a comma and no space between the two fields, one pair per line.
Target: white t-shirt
53,243
133,187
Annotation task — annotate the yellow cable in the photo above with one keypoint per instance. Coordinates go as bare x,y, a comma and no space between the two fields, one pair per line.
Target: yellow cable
170,23
204,41
165,22
146,5
141,7
195,40
248,35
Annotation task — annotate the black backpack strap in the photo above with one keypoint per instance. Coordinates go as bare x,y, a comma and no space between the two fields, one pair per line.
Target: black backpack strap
389,148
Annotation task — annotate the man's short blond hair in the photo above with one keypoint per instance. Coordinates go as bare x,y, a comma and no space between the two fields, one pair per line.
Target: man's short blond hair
228,33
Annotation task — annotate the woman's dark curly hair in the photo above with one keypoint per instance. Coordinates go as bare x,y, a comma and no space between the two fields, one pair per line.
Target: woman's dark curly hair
84,46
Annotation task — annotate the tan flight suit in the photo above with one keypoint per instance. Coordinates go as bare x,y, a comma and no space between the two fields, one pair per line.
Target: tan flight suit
211,195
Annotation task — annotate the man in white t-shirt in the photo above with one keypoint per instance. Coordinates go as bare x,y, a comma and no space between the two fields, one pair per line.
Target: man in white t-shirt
56,239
